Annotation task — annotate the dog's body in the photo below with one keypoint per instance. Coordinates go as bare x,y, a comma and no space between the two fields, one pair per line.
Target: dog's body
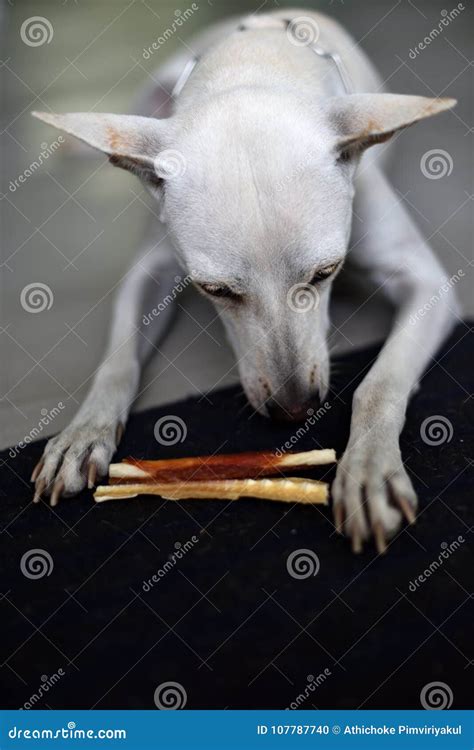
255,173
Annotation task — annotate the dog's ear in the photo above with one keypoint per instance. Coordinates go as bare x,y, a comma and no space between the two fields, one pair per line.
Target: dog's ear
130,142
363,120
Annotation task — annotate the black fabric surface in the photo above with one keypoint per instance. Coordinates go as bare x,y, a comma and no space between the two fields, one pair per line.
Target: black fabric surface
228,622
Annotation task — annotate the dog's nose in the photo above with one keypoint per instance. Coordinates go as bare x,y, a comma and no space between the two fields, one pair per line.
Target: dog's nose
289,412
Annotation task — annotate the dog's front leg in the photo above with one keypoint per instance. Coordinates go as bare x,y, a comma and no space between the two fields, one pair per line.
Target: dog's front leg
371,486
84,449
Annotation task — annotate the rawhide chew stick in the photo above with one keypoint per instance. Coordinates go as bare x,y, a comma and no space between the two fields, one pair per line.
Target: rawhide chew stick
291,490
227,466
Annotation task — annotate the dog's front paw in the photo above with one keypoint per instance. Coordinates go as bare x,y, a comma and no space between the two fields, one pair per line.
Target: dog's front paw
76,457
371,491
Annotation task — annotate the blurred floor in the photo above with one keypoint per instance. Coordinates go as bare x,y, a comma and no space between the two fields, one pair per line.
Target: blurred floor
75,224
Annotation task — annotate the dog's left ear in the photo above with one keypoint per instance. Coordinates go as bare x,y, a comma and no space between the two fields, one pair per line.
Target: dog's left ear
363,120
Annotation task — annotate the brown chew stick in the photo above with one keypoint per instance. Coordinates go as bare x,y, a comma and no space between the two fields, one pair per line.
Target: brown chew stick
227,466
291,490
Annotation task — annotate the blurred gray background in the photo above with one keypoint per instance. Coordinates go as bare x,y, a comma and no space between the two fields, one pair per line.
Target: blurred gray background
75,223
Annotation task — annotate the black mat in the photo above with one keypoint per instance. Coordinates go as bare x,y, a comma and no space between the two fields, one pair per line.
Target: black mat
227,621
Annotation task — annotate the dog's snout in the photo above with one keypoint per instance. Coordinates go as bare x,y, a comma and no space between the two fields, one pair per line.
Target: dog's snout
282,412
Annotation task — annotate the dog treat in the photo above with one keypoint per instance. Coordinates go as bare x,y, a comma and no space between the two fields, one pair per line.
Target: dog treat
227,466
290,490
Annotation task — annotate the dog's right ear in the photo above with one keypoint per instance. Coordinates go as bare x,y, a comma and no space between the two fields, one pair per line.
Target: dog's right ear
131,142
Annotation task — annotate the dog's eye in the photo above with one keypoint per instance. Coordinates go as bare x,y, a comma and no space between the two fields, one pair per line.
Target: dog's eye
323,273
220,290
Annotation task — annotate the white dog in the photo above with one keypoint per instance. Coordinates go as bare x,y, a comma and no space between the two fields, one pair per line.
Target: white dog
256,171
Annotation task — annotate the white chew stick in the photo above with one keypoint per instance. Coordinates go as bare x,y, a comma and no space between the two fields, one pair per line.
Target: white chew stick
291,490
308,458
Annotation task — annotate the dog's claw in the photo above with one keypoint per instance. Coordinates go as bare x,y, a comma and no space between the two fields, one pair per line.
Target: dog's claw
76,457
39,489
91,475
374,489
37,470
407,510
379,536
119,433
356,541
57,492
338,512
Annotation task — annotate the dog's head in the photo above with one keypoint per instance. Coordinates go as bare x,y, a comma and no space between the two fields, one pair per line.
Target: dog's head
257,195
